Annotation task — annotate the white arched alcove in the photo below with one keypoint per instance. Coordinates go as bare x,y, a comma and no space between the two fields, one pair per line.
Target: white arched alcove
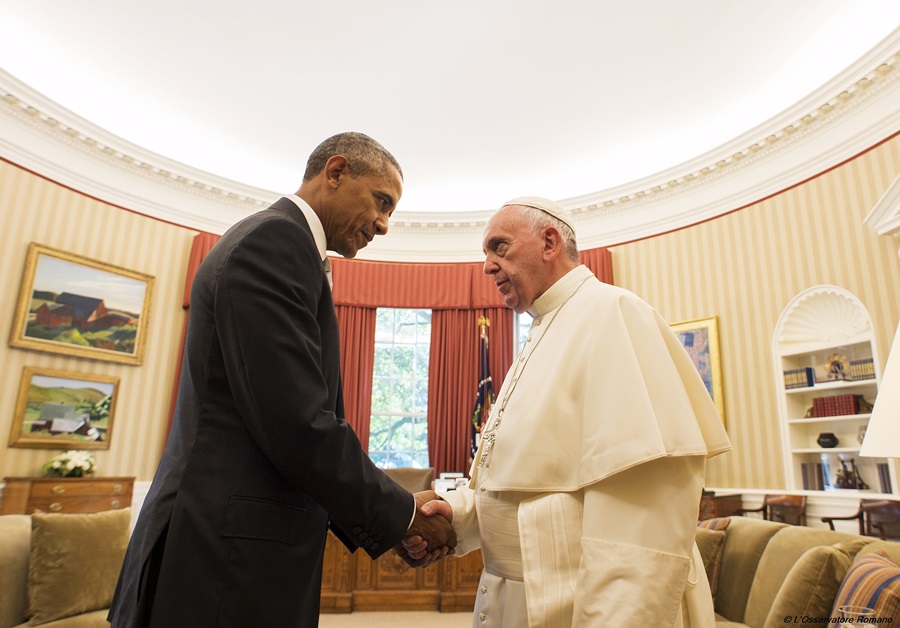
827,375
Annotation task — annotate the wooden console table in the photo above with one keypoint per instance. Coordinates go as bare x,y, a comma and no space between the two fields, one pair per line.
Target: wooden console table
712,505
355,582
24,495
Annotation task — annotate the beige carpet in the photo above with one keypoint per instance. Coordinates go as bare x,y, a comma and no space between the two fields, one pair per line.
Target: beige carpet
403,619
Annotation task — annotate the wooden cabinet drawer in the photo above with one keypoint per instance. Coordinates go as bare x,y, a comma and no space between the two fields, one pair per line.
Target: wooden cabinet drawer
56,489
65,495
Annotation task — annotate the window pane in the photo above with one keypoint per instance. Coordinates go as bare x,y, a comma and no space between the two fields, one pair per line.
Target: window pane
403,361
384,325
398,434
522,325
382,358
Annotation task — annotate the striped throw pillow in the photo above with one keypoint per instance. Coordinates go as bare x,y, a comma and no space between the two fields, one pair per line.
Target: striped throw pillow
873,581
719,523
710,540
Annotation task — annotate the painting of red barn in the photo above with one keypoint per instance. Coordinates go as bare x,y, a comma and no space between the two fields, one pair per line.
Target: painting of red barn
64,410
75,305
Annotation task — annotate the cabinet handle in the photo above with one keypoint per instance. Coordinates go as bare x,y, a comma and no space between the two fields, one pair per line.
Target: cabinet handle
58,490
117,488
56,507
115,503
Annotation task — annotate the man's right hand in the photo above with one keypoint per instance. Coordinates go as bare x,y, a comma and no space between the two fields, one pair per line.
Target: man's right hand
430,537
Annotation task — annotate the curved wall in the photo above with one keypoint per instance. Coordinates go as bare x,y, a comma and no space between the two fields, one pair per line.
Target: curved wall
746,266
33,209
742,266
846,116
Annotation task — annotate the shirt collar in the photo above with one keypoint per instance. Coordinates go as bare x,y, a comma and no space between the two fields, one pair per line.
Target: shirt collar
315,224
560,291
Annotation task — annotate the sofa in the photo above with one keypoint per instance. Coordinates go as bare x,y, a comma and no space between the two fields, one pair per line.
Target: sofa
60,570
766,574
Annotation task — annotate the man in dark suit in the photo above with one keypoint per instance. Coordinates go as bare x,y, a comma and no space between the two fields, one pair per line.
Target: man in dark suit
260,461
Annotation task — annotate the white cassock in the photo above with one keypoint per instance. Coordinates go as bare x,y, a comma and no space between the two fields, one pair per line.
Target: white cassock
586,486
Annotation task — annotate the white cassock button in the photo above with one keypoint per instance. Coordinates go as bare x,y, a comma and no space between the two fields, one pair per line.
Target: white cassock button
482,616
483,589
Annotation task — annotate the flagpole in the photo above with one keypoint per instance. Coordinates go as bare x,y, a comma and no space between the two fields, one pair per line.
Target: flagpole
484,395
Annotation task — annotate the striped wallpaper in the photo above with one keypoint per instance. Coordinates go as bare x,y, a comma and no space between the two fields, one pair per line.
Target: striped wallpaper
743,267
35,210
746,266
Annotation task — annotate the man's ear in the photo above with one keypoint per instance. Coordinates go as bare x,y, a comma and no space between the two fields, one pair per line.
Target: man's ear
553,244
335,167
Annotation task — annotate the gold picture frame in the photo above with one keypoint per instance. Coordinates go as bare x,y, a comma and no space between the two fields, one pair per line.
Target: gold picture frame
700,338
78,306
63,410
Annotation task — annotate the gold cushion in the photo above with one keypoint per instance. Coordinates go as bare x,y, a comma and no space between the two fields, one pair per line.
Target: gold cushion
74,562
812,583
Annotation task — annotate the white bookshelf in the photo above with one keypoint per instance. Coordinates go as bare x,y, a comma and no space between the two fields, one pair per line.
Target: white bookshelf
822,325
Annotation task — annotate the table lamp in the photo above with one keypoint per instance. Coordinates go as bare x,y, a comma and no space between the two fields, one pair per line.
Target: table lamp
882,438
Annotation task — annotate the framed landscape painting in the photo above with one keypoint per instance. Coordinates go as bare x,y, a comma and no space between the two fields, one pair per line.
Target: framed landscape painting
82,307
700,339
62,410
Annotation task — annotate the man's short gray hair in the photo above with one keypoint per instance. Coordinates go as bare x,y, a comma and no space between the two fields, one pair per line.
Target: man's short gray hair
538,220
364,155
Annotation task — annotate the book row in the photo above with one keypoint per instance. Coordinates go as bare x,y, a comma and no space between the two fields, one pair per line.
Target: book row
859,370
817,477
839,405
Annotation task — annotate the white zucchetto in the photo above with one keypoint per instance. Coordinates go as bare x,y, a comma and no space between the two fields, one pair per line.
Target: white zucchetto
545,205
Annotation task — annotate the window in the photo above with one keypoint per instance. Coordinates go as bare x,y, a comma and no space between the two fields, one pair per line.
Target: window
522,323
398,432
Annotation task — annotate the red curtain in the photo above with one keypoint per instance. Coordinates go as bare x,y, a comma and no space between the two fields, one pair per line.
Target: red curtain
202,245
357,330
398,284
600,263
453,378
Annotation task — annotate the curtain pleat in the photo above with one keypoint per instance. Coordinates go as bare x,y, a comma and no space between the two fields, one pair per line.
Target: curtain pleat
404,285
453,378
600,263
356,326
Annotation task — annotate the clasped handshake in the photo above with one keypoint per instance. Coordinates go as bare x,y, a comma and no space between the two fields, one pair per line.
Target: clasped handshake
430,537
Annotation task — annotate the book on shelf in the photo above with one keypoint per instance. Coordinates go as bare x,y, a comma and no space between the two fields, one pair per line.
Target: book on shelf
799,378
884,477
813,475
863,368
840,405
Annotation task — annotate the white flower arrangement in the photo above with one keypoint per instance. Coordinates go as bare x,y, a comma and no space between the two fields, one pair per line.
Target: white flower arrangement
70,464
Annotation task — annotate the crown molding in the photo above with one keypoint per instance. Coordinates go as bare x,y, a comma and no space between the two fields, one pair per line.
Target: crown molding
851,113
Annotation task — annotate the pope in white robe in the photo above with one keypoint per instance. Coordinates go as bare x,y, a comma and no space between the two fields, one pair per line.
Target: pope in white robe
585,489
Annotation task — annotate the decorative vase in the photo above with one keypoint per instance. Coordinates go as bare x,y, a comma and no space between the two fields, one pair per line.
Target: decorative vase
827,440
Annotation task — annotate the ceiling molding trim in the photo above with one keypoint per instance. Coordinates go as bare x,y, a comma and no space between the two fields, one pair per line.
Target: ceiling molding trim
850,114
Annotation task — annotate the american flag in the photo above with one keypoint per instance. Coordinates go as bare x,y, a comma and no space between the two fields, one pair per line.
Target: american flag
484,395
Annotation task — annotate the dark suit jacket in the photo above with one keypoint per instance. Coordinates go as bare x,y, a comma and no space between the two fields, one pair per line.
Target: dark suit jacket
259,459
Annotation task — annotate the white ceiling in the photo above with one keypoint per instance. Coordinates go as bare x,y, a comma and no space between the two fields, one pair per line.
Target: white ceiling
480,101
